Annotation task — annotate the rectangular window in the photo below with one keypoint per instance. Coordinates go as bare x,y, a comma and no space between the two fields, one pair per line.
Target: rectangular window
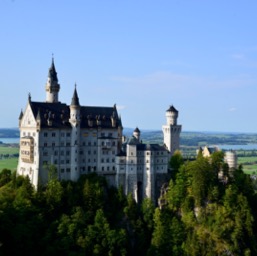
45,134
53,134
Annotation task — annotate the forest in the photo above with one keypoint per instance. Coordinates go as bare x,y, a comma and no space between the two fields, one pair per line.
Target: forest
207,210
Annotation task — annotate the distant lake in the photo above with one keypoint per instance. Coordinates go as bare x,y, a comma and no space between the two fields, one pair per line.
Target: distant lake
238,147
10,140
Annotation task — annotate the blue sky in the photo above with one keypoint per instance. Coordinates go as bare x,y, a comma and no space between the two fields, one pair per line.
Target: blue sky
200,56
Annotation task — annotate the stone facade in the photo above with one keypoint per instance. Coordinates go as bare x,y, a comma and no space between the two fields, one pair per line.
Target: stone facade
83,139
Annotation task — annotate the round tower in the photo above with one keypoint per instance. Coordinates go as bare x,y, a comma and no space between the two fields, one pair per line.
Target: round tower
52,87
172,116
231,159
75,136
171,131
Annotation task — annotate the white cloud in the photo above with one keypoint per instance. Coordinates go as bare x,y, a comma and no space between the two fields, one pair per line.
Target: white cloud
232,109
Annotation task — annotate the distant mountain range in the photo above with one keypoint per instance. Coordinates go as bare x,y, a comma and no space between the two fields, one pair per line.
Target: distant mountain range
9,133
187,138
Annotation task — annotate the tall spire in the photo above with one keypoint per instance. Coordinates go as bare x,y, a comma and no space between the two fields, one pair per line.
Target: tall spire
52,74
75,98
52,86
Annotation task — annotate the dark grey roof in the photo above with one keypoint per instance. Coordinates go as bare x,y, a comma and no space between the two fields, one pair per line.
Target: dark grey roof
58,115
52,72
137,130
151,147
121,153
132,141
75,98
212,149
21,115
172,109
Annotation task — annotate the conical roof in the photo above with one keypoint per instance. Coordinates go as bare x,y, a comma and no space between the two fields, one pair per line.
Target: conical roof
52,74
75,98
172,109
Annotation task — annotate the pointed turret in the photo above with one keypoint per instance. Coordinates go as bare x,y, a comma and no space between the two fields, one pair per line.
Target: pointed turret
52,74
75,135
20,117
52,86
75,109
38,119
75,98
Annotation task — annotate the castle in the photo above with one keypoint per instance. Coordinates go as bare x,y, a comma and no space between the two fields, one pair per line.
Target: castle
79,140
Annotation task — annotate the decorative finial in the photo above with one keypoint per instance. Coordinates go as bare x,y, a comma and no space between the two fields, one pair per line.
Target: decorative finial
29,97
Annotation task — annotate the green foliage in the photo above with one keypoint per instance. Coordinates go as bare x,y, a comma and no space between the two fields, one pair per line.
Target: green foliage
203,215
175,162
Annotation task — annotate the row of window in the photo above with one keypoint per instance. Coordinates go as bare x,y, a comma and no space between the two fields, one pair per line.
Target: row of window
62,144
28,134
107,160
147,153
68,134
